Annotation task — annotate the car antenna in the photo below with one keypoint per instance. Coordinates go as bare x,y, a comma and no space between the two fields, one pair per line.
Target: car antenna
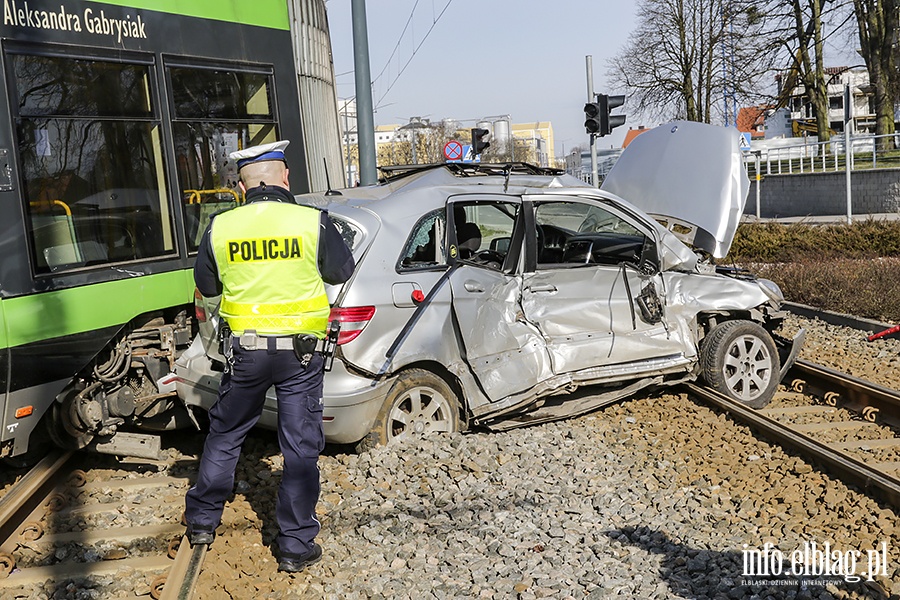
506,171
329,192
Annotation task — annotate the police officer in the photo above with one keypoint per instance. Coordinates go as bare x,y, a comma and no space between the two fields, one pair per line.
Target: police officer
268,258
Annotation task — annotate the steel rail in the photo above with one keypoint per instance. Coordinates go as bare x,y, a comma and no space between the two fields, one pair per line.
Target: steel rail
183,575
846,467
23,490
839,319
177,582
856,392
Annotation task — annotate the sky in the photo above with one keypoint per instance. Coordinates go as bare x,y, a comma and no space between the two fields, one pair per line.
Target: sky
470,59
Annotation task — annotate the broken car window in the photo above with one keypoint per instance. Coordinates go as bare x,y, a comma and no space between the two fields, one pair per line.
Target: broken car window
425,247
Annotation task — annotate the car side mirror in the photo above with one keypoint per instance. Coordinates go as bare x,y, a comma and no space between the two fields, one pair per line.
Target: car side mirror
501,245
649,259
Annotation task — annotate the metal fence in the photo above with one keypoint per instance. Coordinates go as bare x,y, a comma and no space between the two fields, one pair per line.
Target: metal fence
772,157
787,157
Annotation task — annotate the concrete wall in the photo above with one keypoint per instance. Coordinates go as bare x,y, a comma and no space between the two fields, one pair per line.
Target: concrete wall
816,194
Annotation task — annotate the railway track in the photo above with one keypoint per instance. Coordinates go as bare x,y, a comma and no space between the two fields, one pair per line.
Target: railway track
60,531
850,425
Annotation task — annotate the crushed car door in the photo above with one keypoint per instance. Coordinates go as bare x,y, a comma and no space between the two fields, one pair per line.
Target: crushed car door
506,353
585,291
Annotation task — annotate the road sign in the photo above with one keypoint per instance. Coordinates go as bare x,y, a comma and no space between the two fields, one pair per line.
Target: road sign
453,151
468,155
745,140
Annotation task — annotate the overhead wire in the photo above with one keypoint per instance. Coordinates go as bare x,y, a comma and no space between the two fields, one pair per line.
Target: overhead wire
399,41
427,33
397,47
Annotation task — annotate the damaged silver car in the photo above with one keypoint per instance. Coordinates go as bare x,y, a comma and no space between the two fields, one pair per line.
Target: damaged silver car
488,294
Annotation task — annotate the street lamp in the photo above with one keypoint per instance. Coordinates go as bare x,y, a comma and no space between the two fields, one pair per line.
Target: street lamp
345,112
415,123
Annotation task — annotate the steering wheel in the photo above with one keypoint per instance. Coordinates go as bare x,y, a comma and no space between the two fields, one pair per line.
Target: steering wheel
490,258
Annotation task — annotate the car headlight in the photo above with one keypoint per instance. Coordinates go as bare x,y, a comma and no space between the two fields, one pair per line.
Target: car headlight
771,289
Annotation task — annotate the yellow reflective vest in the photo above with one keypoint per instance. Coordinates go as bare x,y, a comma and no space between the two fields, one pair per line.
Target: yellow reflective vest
266,256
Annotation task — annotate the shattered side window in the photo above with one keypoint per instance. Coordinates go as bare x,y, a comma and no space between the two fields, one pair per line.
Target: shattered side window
425,247
349,232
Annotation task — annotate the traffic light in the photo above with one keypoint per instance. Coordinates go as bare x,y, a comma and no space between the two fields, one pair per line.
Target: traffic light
592,117
609,122
478,141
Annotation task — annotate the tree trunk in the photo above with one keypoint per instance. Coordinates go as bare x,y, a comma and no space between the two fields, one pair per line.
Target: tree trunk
877,25
809,36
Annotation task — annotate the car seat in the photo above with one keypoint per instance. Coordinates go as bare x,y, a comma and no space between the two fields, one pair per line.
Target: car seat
469,239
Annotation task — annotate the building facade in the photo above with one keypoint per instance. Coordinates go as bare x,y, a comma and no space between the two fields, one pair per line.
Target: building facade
421,140
861,107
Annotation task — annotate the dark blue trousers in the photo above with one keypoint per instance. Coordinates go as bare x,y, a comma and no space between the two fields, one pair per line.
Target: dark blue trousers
241,396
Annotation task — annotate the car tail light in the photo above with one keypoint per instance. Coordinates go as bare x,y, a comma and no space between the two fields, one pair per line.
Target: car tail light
353,320
199,308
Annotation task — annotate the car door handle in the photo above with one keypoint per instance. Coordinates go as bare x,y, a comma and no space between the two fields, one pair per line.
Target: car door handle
546,287
473,286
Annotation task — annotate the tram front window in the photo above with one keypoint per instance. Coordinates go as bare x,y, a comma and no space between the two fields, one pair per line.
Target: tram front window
90,149
216,111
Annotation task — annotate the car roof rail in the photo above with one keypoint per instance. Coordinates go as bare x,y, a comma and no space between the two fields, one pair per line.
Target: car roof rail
460,169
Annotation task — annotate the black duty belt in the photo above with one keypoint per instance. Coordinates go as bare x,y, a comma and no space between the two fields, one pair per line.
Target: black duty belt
250,340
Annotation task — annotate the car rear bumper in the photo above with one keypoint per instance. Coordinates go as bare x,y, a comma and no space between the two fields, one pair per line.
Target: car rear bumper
352,401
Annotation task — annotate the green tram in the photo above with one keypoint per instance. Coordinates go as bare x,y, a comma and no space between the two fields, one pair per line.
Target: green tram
117,119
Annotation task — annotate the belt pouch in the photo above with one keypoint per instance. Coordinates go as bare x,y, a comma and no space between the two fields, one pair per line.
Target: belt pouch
304,346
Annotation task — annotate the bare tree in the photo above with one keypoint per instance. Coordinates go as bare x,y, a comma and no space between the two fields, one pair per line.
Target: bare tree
396,152
686,54
810,59
513,149
877,24
796,33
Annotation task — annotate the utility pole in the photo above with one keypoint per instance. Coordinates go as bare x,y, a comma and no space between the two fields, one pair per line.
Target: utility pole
848,149
589,64
365,119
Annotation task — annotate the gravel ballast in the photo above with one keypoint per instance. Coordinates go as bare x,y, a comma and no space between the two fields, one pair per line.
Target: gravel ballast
656,497
659,496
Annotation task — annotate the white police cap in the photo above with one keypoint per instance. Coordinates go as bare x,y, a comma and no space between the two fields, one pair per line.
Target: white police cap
254,154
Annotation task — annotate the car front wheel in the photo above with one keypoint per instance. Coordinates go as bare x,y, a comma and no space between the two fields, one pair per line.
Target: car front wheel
739,359
419,403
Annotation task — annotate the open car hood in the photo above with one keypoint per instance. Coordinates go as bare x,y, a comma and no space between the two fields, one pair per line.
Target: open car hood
688,176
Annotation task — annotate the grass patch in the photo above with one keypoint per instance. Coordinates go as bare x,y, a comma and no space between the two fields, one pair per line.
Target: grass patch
844,268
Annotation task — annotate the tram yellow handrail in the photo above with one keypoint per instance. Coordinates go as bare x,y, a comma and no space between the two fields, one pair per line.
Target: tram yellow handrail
65,207
198,195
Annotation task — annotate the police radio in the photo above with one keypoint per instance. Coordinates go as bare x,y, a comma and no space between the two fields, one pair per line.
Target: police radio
331,339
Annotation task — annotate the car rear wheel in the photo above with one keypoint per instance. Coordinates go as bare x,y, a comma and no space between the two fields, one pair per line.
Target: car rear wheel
739,359
419,403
